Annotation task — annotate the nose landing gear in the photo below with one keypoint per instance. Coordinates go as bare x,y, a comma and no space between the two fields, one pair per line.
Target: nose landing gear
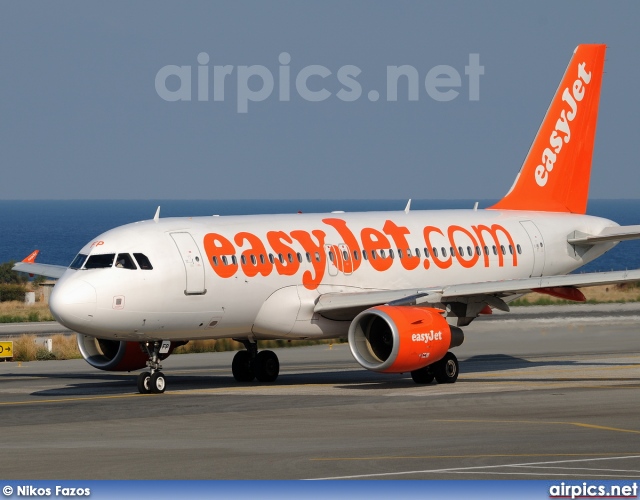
153,381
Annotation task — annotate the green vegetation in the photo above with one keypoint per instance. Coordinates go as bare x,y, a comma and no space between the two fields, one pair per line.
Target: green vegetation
25,347
26,316
9,276
9,292
222,345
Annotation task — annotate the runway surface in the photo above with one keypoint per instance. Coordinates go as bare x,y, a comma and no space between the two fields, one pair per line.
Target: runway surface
538,397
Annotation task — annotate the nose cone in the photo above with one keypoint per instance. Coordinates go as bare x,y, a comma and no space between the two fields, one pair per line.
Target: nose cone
73,303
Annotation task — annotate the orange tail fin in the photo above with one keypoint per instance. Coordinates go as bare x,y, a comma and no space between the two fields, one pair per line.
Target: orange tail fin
31,258
555,174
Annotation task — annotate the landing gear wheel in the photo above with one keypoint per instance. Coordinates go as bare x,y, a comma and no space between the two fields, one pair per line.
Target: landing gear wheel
157,383
446,370
241,367
143,383
423,375
266,366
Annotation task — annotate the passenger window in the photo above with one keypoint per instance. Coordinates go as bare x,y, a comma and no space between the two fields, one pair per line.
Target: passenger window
124,261
331,257
518,248
383,254
444,251
469,252
243,259
308,255
478,252
461,251
355,255
234,260
299,257
391,253
78,261
504,252
345,255
215,260
486,250
426,252
224,260
417,252
100,261
317,256
399,253
452,251
495,250
364,255
434,251
271,259
281,258
290,258
262,261
373,255
253,259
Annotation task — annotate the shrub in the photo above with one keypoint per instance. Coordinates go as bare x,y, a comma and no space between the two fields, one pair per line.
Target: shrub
12,292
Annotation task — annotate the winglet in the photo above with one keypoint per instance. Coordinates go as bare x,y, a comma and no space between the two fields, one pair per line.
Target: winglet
31,258
408,207
157,215
555,174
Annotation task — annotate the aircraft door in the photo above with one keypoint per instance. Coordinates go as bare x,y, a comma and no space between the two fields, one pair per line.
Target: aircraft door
193,263
538,247
333,254
339,259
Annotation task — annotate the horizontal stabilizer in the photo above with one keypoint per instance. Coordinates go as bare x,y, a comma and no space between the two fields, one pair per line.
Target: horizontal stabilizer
615,233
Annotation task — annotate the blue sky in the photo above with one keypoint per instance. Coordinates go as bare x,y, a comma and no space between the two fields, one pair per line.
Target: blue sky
80,116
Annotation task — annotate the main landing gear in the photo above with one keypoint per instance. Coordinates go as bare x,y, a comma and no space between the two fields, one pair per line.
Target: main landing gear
444,371
153,381
247,365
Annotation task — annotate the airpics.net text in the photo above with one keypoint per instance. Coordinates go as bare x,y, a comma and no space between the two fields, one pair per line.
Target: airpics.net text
312,83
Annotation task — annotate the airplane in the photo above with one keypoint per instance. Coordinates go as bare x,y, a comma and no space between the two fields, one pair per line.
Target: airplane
398,285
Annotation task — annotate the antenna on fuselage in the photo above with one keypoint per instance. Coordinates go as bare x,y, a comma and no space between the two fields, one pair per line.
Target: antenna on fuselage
408,207
157,215
475,207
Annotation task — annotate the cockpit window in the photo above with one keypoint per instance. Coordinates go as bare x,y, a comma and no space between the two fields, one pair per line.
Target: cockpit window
143,261
78,261
124,261
100,261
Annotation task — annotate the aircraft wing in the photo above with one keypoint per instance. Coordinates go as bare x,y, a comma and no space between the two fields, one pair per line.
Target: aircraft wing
469,298
615,233
48,270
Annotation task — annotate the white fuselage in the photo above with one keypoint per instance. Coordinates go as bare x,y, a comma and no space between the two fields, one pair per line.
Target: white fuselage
216,277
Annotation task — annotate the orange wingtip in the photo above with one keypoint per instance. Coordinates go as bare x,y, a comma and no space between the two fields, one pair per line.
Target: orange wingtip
555,174
32,257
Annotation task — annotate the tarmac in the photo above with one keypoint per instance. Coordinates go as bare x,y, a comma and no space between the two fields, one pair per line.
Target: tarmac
541,395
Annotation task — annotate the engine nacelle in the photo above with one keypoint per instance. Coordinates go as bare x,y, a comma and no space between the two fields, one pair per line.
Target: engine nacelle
399,339
115,355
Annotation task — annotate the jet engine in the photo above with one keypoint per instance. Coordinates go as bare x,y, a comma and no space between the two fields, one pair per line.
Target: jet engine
399,339
115,355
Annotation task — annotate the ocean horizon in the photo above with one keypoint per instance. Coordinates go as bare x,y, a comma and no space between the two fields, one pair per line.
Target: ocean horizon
59,228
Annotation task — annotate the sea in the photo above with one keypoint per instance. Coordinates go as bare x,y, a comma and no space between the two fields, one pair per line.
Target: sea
59,228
